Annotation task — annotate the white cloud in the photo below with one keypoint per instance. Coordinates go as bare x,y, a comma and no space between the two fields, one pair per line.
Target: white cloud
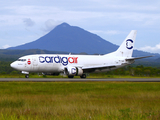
6,46
112,13
51,24
40,14
103,17
108,32
124,5
155,49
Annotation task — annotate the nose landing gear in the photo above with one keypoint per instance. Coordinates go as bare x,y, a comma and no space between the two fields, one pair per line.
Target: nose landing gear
26,74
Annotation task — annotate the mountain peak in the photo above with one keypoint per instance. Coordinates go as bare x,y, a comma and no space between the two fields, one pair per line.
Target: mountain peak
63,25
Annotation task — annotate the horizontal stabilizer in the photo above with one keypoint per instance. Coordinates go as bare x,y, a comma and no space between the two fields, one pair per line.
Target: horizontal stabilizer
135,58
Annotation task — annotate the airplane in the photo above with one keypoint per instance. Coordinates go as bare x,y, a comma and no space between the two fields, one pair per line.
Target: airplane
78,65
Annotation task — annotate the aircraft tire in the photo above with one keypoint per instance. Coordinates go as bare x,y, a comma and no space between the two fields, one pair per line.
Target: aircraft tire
70,76
27,76
83,76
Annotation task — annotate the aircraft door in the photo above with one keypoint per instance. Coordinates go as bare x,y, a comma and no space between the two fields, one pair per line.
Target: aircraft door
27,63
35,61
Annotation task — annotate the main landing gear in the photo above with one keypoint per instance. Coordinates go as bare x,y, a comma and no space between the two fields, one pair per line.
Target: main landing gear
70,76
26,76
82,76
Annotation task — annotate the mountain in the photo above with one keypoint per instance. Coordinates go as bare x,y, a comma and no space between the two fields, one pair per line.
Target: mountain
70,39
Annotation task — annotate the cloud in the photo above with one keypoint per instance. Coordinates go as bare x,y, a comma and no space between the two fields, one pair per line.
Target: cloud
108,32
6,46
120,12
50,24
28,22
103,17
155,49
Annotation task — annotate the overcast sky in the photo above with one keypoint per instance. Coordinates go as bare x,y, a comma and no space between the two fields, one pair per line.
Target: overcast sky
23,21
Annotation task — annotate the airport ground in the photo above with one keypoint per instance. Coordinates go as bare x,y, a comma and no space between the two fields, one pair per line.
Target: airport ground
79,80
59,100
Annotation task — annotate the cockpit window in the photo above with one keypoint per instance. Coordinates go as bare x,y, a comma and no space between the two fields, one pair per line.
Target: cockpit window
21,60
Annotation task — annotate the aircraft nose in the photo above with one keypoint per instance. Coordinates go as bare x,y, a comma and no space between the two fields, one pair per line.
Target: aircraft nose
13,65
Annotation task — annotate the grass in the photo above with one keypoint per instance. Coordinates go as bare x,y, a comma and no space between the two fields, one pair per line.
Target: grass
79,100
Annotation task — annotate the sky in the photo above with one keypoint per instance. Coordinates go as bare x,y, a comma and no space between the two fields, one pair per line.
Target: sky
23,21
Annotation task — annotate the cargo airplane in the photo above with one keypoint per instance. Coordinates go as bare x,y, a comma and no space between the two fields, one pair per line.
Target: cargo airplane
78,65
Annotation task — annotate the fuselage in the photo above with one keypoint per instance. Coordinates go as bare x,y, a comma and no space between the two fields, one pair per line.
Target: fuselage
56,63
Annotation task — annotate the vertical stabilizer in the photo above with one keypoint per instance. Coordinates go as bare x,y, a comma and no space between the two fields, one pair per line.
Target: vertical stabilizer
126,48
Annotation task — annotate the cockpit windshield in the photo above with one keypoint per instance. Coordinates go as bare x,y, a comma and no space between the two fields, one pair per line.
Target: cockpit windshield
21,60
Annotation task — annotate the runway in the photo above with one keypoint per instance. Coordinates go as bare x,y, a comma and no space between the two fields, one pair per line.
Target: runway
79,80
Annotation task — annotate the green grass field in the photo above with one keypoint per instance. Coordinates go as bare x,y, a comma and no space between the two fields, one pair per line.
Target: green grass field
79,101
64,76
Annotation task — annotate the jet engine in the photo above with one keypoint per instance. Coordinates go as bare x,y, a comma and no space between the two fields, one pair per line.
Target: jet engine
73,71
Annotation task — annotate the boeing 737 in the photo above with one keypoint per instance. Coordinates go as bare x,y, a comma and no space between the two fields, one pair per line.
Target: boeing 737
78,65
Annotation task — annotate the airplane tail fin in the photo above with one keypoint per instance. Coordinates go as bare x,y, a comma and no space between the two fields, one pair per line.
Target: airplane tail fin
126,48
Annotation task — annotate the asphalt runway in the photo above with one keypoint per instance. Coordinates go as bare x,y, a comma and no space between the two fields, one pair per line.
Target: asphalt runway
79,80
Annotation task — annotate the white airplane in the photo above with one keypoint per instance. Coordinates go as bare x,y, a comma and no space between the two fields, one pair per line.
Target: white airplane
78,65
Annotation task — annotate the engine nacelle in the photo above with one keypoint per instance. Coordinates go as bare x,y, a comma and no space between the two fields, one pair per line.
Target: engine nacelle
73,71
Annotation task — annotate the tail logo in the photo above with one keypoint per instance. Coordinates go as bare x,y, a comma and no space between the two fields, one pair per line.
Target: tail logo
129,44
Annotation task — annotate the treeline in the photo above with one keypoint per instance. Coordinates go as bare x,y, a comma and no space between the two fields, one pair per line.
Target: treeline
6,69
139,70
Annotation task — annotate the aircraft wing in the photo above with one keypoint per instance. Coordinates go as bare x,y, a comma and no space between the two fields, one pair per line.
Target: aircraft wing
135,58
100,67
